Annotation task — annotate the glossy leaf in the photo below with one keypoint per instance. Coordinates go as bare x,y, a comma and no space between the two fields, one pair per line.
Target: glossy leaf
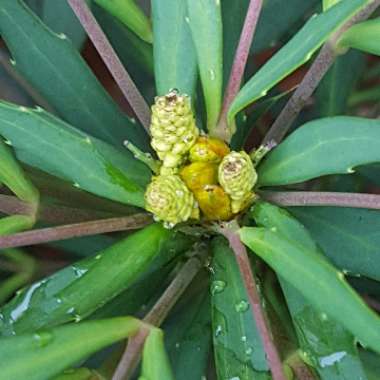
238,348
317,280
349,237
13,176
83,287
325,343
329,3
188,335
131,15
362,36
205,20
52,65
295,53
72,155
155,365
175,62
325,146
46,353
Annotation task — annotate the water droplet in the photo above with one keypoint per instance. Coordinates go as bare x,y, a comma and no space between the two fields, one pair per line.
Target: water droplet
12,62
177,345
341,275
169,225
79,272
217,287
156,218
274,229
133,120
88,140
23,109
217,2
350,170
77,318
241,306
7,142
58,300
70,311
62,36
330,360
75,184
243,338
234,378
263,93
42,339
324,317
218,330
98,257
248,351
187,19
212,74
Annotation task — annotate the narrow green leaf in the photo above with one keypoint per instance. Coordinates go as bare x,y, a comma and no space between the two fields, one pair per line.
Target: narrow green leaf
15,223
72,155
205,22
349,237
175,62
12,175
317,280
238,348
329,3
46,353
363,36
155,365
325,343
53,66
131,15
295,53
333,145
79,374
83,287
188,335
372,364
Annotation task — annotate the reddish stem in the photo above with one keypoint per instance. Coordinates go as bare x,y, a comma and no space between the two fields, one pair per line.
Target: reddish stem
156,316
112,61
315,198
238,67
12,205
229,231
45,235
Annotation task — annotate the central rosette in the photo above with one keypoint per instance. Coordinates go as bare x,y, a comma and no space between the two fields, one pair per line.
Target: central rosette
200,177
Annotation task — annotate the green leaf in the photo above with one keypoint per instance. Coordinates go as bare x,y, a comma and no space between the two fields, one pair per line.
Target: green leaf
131,15
326,146
317,280
363,36
237,344
52,65
295,53
372,364
78,374
45,142
331,97
329,3
14,178
324,342
349,237
156,365
83,287
188,334
15,223
205,22
47,353
175,62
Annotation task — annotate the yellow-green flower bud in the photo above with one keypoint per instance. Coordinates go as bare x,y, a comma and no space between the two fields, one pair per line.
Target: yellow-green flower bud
199,174
168,198
237,176
173,128
208,149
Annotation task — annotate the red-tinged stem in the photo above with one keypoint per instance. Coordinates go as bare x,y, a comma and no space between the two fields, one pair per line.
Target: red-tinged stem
313,77
315,198
238,67
45,235
229,230
156,316
12,205
112,61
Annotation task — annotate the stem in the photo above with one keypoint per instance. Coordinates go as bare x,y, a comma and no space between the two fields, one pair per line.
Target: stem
228,230
313,77
112,61
145,158
238,67
70,231
12,205
315,198
156,316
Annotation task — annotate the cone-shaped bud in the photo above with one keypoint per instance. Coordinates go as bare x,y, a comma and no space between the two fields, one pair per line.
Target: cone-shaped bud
168,198
173,128
207,149
237,176
199,174
214,202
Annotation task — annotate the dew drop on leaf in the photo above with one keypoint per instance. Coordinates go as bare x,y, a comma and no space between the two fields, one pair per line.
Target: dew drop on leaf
42,339
241,306
217,286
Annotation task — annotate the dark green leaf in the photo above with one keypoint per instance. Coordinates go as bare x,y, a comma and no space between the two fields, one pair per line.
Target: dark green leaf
326,146
349,237
295,53
237,344
80,289
205,22
48,143
79,374
175,63
53,66
46,353
372,364
317,280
